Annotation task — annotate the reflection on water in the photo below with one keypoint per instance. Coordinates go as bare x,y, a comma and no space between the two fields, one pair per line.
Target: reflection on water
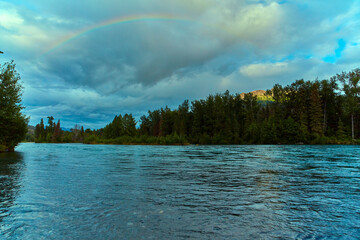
75,191
11,165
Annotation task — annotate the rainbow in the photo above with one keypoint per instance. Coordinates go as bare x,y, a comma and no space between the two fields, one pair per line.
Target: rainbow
119,20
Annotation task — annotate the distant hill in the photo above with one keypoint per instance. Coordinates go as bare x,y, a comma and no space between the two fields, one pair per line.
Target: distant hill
30,135
66,129
31,129
258,93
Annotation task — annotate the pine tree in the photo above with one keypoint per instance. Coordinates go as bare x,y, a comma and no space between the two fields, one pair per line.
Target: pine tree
57,133
182,119
316,113
37,132
13,124
129,124
42,130
328,98
351,87
145,126
340,133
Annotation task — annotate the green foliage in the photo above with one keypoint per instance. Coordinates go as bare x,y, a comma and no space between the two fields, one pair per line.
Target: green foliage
120,126
3,148
92,139
290,131
315,111
350,85
340,133
13,124
67,138
269,131
51,133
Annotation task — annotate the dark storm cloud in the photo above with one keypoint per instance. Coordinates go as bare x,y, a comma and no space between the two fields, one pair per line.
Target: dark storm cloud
134,53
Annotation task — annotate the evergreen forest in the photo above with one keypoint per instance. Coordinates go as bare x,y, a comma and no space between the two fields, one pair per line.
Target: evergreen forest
304,112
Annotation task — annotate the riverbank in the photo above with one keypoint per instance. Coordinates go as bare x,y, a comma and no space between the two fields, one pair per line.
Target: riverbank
180,141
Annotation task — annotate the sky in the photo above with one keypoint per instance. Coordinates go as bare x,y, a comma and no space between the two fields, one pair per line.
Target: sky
86,61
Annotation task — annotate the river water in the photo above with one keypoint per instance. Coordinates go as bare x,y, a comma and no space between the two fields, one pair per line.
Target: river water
75,191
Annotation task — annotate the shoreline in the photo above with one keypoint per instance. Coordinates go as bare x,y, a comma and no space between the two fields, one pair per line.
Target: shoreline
193,144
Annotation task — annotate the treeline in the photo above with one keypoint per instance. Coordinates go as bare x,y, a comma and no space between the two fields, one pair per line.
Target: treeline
309,112
52,133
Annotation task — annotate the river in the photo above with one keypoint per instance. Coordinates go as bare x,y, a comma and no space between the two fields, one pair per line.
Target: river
75,191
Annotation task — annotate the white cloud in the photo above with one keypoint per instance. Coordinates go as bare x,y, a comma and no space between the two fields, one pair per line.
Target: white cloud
249,22
264,69
9,18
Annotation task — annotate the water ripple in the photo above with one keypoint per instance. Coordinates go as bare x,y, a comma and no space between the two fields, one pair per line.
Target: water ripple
75,191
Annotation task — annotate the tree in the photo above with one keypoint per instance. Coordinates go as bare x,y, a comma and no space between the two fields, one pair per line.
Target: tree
13,124
56,137
182,120
154,118
50,128
316,114
166,122
129,125
76,132
340,133
328,97
145,126
42,135
351,87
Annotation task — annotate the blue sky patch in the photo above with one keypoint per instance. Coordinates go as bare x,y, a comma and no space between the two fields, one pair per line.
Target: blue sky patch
338,52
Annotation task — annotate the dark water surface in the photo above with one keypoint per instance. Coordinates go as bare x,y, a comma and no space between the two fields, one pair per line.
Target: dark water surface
75,191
